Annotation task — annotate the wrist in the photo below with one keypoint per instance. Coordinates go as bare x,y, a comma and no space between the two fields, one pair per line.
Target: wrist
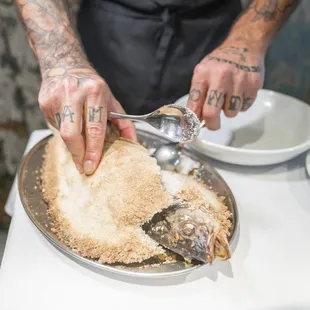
256,42
62,60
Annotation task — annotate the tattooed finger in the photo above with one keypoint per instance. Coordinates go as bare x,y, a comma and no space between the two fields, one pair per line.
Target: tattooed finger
95,127
246,103
212,108
199,89
196,99
54,118
71,131
233,105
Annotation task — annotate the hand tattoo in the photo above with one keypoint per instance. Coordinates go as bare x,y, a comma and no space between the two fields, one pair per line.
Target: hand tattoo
194,95
255,69
214,96
234,51
92,113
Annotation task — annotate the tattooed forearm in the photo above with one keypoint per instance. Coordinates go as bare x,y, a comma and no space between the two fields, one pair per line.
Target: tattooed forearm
51,35
254,69
260,22
272,10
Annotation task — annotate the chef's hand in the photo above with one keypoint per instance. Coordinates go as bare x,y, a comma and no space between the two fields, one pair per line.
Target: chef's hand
227,79
76,101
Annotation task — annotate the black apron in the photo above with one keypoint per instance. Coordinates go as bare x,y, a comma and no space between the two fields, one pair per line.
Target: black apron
146,50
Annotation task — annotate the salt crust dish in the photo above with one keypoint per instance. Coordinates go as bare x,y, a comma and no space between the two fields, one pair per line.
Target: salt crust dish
102,217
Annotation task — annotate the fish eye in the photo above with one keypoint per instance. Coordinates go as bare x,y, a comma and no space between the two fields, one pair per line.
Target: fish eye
188,229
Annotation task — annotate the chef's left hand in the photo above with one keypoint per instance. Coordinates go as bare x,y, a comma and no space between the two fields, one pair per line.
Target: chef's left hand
227,79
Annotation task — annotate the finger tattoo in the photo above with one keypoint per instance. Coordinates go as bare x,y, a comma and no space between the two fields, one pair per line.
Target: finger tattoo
56,123
214,97
235,103
239,103
58,119
194,95
67,113
247,102
95,114
52,121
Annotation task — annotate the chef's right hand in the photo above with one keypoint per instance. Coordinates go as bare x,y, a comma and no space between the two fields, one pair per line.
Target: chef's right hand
65,96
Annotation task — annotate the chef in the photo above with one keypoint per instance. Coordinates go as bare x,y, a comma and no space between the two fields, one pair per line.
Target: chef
137,55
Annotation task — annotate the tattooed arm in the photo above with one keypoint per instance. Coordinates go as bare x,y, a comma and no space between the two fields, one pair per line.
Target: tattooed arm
70,85
260,22
231,75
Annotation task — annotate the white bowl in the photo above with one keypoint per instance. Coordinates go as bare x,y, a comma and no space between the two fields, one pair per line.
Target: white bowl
275,129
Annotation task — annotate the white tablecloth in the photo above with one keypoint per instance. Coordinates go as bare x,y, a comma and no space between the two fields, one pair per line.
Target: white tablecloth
270,267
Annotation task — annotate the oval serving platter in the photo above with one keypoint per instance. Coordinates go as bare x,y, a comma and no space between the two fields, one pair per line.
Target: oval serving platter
35,207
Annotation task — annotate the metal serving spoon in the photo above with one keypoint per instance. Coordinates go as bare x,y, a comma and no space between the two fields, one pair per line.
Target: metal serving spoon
178,123
168,156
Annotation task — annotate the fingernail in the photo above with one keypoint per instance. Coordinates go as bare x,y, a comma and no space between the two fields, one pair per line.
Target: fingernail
88,167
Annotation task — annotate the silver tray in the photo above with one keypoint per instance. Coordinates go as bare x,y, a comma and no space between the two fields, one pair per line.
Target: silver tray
35,208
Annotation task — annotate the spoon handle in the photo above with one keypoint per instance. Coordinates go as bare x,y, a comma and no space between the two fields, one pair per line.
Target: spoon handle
126,116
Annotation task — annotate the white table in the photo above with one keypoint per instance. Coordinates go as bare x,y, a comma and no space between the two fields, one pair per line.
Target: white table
270,268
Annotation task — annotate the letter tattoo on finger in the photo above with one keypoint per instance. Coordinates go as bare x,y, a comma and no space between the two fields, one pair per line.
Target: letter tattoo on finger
56,123
235,103
194,95
52,121
95,114
58,119
214,96
67,112
246,103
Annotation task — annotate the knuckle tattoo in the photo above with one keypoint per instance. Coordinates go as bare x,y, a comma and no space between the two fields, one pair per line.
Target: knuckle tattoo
194,95
215,97
237,102
95,114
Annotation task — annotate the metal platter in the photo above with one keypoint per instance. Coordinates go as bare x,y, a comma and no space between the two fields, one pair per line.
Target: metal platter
35,207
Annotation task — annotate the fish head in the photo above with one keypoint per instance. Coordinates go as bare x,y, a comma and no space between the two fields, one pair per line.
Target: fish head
191,233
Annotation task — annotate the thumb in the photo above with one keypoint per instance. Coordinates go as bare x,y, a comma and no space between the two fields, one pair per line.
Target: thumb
125,127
